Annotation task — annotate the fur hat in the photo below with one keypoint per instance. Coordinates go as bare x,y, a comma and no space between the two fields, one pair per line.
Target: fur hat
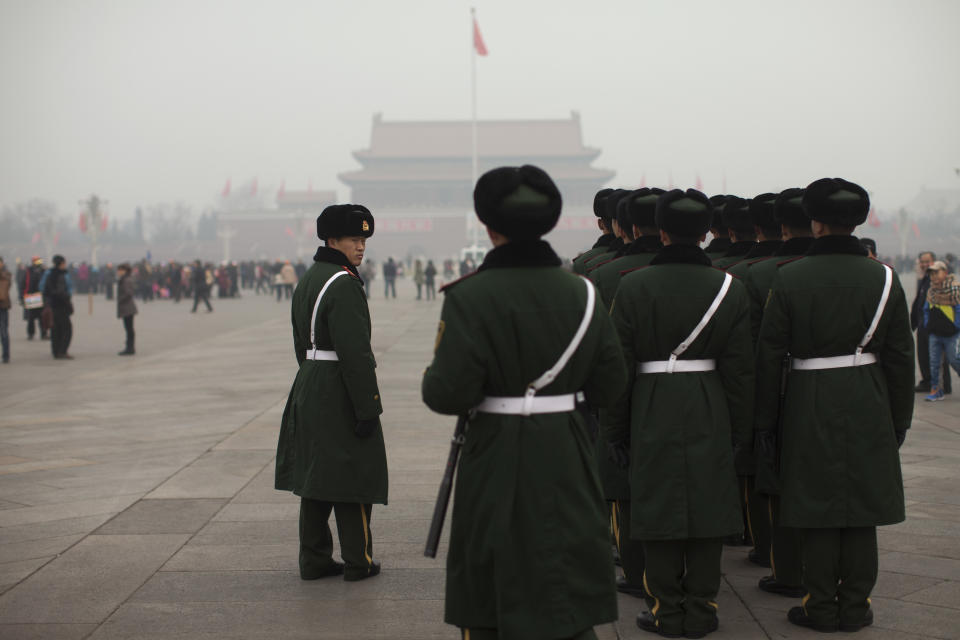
761,211
718,201
788,209
836,201
642,206
519,202
684,213
736,214
341,220
599,202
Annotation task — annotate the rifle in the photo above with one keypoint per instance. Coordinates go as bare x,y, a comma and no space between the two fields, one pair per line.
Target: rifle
446,485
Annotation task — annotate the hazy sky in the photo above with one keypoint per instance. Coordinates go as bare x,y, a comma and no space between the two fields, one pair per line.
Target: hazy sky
143,102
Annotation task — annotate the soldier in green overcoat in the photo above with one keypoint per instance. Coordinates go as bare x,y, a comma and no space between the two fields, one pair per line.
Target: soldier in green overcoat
842,320
784,542
720,241
638,211
529,555
767,231
684,330
736,216
617,246
606,236
331,451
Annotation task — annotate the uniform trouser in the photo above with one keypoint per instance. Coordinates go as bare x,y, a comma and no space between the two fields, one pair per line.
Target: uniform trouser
353,529
61,333
491,634
128,327
839,572
682,579
631,551
785,557
756,509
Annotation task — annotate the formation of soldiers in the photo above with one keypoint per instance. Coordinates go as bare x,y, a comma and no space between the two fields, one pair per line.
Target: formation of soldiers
676,396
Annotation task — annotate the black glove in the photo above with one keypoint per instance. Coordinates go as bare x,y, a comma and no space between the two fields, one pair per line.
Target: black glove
765,446
901,436
619,453
365,428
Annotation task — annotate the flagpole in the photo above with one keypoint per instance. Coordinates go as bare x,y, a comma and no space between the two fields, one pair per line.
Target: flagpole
473,118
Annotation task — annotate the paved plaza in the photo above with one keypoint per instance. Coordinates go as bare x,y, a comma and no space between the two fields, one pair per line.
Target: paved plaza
137,500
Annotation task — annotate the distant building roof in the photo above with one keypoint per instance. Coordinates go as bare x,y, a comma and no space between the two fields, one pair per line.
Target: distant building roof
451,139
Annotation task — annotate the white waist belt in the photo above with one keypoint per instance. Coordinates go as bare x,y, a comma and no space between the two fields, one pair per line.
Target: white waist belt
319,354
526,405
835,362
676,366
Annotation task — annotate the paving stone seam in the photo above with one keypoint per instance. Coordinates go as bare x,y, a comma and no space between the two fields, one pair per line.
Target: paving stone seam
122,367
746,606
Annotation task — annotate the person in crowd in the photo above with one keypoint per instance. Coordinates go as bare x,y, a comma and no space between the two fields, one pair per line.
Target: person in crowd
429,279
5,281
30,284
288,277
924,260
390,278
57,287
871,246
200,287
418,277
941,319
126,307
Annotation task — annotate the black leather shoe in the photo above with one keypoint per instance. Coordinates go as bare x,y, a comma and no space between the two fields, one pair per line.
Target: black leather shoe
126,352
799,617
335,569
714,625
355,574
635,590
758,559
856,626
772,585
647,622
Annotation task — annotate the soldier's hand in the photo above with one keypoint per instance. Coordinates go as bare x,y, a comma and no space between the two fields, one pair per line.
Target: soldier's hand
365,428
901,436
619,453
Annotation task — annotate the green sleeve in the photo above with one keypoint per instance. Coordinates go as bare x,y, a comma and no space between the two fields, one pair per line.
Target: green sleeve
605,383
756,304
735,366
896,358
772,346
615,421
299,347
453,383
348,321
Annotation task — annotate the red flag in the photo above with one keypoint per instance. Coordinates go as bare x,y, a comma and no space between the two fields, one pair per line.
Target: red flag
103,223
226,189
289,232
253,189
282,190
916,230
478,40
699,183
36,238
872,218
83,222
643,181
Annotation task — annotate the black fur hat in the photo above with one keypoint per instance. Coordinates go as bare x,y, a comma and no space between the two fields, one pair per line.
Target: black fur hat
718,201
519,202
340,220
836,201
788,209
642,206
613,201
736,214
599,206
684,213
761,211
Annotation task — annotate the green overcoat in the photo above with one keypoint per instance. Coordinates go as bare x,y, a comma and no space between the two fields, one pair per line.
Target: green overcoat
600,246
839,464
529,540
759,277
613,479
734,254
319,456
683,427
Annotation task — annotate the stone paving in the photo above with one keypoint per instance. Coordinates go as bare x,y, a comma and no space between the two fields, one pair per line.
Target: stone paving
137,501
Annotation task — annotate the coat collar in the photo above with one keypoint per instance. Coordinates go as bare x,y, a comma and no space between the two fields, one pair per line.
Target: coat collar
718,245
737,249
523,253
604,241
794,247
681,254
644,244
764,249
849,245
326,254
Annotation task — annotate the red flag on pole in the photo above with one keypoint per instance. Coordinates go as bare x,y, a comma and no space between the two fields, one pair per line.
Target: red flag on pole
83,222
103,223
226,189
282,190
699,183
872,218
478,40
916,230
643,181
253,189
